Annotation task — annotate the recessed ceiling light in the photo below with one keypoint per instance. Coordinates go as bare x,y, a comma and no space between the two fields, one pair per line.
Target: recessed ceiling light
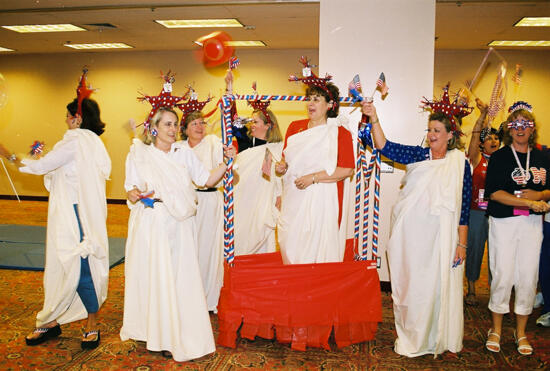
520,43
6,49
45,28
194,23
99,46
533,22
245,43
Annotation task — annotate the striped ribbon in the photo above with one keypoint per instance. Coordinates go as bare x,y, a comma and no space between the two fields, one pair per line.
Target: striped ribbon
365,169
228,215
296,98
376,218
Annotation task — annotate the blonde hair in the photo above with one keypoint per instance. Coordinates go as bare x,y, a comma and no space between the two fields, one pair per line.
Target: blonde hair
273,134
154,123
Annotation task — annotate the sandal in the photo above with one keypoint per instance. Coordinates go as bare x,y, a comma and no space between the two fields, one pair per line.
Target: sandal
90,344
492,346
166,354
45,333
524,350
471,299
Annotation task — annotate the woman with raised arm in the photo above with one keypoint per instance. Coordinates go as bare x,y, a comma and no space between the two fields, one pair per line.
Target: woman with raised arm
483,143
429,232
518,187
164,302
76,273
209,218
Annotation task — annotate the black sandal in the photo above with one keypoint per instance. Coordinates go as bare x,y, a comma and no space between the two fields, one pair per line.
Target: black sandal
166,354
46,333
90,344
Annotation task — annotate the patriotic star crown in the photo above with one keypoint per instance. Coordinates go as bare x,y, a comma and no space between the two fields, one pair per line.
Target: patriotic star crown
520,105
311,79
452,110
82,90
192,105
164,99
257,104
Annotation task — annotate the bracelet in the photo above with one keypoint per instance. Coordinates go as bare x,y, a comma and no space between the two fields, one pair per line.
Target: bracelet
12,158
462,245
313,178
375,122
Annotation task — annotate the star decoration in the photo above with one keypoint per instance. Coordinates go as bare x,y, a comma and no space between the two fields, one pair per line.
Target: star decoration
451,110
164,99
192,105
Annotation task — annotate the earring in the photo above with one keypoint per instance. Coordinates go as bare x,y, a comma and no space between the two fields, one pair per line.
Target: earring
154,132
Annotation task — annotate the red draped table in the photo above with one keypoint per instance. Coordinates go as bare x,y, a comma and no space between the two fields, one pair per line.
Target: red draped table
299,304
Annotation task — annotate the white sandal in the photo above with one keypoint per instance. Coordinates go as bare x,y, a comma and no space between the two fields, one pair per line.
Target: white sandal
494,344
524,350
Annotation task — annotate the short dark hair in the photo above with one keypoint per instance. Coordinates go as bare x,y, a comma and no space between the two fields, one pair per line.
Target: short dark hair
90,115
333,96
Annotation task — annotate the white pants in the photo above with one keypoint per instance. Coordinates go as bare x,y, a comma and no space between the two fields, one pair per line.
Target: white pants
514,261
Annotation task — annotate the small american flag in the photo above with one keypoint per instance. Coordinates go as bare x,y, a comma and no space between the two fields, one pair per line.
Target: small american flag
381,84
36,148
517,75
233,63
355,83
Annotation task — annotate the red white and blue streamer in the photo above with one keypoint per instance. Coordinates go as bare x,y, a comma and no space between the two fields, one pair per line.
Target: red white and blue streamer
228,214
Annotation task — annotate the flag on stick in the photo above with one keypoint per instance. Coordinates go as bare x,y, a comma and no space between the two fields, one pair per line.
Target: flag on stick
381,85
517,75
233,62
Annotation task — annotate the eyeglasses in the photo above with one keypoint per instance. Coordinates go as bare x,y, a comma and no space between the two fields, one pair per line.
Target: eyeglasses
521,124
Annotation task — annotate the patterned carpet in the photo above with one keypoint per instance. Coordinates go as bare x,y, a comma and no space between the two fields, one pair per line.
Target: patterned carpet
21,297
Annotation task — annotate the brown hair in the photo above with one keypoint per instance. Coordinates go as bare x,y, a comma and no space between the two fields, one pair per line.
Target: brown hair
507,138
190,117
455,141
333,96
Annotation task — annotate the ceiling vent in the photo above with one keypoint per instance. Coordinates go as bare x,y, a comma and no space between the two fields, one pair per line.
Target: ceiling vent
101,25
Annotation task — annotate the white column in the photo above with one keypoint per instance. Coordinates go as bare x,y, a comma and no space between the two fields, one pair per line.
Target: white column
396,37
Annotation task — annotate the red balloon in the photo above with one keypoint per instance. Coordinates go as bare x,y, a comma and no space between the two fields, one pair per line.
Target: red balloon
215,50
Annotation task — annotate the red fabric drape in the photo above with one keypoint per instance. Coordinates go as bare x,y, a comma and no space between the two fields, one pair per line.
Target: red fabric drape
299,304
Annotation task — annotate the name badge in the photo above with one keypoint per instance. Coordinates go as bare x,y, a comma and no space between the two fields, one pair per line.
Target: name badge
520,210
481,202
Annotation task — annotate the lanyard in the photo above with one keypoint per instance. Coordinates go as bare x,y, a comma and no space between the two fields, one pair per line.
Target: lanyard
524,172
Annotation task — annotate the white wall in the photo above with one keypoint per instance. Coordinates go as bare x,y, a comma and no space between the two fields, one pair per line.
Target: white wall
369,37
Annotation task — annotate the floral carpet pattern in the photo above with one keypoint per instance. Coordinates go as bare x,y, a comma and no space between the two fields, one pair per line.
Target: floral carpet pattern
21,297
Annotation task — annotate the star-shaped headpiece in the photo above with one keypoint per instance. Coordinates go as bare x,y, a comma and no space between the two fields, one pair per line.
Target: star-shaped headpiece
310,78
450,109
192,105
164,99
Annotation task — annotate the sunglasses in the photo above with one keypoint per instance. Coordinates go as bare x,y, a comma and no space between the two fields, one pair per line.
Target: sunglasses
521,124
